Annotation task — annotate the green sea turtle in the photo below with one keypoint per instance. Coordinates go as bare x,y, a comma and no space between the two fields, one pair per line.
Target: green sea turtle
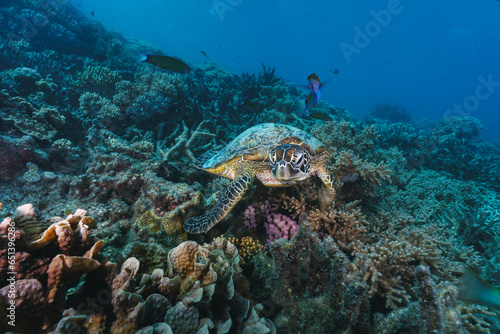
276,154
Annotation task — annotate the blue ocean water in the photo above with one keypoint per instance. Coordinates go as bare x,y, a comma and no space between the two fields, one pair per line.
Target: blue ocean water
431,58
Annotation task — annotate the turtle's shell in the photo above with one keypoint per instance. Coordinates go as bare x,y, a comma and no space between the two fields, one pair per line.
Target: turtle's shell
255,143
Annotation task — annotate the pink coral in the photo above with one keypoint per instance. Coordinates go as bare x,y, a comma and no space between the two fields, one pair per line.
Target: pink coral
250,218
279,226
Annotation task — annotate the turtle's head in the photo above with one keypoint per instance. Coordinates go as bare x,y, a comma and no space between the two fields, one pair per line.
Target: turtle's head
289,162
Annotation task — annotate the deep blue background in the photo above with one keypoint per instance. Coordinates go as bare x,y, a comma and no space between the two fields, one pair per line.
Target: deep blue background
428,57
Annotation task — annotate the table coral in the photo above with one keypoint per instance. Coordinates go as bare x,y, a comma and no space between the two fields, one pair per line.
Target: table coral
30,119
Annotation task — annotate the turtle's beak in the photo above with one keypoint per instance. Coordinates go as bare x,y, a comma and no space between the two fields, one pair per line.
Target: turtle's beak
282,171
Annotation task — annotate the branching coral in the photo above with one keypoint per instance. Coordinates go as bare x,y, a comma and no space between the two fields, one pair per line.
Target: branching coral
345,225
343,135
424,195
309,279
184,142
436,311
92,104
348,167
247,247
99,79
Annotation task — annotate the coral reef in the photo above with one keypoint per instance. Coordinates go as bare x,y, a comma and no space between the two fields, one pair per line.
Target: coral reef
83,125
199,290
39,279
309,279
247,247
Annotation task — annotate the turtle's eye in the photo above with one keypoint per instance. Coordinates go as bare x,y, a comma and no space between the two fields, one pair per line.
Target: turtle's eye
289,162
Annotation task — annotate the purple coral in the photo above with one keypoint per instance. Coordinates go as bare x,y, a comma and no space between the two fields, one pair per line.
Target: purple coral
250,218
278,226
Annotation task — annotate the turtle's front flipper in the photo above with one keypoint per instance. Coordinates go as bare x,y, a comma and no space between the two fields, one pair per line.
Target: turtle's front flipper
327,191
227,200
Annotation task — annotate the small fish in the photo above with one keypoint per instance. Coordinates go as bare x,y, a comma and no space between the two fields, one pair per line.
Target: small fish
166,63
475,290
334,71
321,116
92,13
314,86
204,53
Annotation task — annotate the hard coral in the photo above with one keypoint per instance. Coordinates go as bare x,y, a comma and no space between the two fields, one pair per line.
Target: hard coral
15,153
48,255
39,122
169,228
436,311
310,279
200,279
98,79
345,225
247,247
